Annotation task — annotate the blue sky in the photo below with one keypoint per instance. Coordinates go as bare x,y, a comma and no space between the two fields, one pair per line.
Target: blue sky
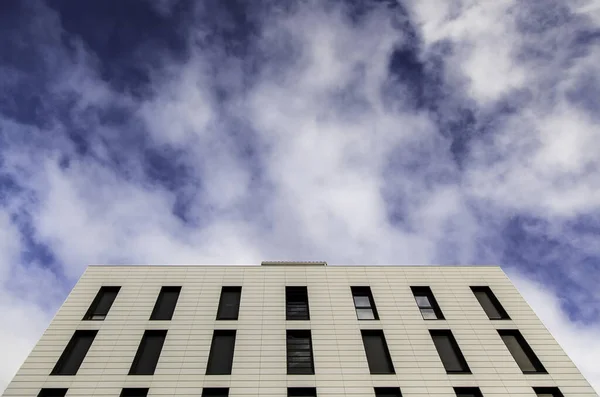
356,132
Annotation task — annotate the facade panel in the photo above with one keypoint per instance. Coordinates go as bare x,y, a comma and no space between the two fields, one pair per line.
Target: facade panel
260,363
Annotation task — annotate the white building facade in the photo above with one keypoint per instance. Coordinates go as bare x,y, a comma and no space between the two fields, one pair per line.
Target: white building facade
298,330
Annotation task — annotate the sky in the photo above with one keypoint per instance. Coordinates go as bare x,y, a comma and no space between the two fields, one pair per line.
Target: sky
352,132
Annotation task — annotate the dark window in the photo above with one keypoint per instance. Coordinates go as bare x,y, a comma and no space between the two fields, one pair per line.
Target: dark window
467,392
449,351
378,355
102,303
296,303
74,353
165,304
521,352
427,303
490,304
364,303
547,392
134,392
148,352
302,392
387,392
220,359
215,392
52,393
229,303
299,352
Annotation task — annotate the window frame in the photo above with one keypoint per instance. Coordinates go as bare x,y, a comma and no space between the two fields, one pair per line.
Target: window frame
455,348
215,392
290,335
53,392
419,291
90,314
130,392
364,291
553,391
141,349
475,391
386,352
503,315
67,354
301,392
222,309
213,355
156,314
387,391
295,291
526,349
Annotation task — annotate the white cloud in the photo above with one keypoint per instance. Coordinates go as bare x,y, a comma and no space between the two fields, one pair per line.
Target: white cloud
163,7
10,246
183,111
541,159
590,8
548,164
333,155
483,37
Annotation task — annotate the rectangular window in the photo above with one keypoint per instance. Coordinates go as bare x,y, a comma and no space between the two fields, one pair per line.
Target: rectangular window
165,304
364,303
490,304
134,392
302,392
299,352
521,352
73,355
467,392
387,392
102,303
378,355
296,303
148,352
427,303
220,359
229,303
449,351
547,392
215,392
52,393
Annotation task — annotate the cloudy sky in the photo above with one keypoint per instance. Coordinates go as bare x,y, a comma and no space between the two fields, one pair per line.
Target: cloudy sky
356,132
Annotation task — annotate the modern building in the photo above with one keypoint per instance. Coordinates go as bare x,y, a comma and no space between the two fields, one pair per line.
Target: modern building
297,329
